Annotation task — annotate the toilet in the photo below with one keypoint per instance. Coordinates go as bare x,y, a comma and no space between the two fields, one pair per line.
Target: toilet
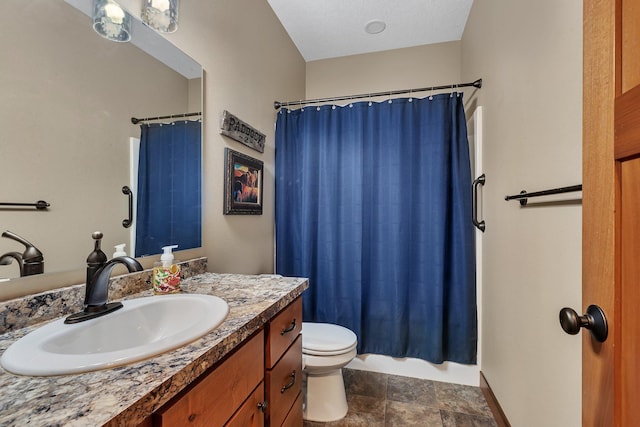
326,349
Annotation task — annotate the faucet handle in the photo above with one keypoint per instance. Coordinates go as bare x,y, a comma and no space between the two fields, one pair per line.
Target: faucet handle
97,258
31,253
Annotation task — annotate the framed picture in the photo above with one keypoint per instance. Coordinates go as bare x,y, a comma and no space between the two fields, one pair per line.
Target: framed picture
243,177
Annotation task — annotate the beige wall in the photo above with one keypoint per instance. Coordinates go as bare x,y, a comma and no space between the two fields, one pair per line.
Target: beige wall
413,67
195,96
529,55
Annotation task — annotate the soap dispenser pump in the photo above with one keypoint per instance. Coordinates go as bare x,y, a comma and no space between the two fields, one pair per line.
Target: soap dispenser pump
167,255
166,273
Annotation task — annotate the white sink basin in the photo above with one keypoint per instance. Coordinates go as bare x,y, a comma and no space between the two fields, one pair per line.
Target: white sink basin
144,327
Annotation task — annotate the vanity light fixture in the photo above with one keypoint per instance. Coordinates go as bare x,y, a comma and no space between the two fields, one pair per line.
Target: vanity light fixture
161,15
111,21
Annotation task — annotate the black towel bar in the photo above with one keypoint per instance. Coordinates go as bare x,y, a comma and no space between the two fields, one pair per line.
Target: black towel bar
40,205
524,196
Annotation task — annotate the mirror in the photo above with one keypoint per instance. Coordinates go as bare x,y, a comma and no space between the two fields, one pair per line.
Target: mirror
68,96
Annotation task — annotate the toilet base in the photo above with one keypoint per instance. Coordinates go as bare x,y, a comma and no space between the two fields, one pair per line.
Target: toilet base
325,397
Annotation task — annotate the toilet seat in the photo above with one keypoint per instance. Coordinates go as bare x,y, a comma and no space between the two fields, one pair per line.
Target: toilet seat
329,353
324,339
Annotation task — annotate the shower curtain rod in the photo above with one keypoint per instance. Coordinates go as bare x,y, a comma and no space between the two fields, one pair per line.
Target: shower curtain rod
135,121
278,104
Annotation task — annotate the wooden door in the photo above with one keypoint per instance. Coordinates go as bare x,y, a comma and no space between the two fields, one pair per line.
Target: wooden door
611,210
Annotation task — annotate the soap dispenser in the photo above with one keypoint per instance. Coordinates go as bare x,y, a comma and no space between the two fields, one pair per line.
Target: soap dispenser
119,250
166,273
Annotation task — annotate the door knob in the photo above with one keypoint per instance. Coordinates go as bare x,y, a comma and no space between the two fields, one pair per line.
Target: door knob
594,320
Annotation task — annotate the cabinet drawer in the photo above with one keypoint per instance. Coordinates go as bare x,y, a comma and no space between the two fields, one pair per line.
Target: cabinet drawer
294,417
214,399
250,414
282,331
283,383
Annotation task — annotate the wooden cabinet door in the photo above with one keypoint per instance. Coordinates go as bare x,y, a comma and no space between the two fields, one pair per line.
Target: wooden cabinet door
250,413
213,400
611,209
294,418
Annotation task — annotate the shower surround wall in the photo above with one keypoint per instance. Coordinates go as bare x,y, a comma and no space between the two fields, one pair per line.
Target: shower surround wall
530,57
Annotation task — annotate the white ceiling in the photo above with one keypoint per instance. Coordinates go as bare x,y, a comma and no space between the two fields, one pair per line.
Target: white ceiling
324,29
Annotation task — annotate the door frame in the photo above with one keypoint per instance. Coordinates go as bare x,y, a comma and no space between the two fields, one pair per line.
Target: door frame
601,243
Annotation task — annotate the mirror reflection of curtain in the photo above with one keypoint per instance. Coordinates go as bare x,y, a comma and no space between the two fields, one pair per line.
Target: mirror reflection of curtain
373,205
169,181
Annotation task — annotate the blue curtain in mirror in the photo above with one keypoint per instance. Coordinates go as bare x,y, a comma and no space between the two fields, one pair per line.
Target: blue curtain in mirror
169,185
373,205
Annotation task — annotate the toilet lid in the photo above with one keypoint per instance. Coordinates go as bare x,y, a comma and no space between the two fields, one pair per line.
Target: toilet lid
327,339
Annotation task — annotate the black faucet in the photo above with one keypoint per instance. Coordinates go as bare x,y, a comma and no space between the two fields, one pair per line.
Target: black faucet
30,262
97,286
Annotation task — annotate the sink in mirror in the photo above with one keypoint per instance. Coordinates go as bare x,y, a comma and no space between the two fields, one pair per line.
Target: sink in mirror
143,328
68,96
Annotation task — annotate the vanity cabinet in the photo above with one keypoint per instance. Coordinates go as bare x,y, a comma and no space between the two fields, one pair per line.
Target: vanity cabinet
250,413
266,368
283,367
230,393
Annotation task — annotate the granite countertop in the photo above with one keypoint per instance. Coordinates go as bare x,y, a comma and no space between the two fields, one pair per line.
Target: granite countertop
126,395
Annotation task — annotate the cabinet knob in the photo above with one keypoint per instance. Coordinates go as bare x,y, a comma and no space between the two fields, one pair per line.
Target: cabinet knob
263,406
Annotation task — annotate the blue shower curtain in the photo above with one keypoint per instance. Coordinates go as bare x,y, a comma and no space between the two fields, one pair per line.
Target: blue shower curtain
169,181
373,205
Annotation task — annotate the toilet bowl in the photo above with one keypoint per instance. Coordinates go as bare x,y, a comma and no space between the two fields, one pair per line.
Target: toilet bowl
326,349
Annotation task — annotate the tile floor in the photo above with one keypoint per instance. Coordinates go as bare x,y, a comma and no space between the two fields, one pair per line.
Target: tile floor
381,400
